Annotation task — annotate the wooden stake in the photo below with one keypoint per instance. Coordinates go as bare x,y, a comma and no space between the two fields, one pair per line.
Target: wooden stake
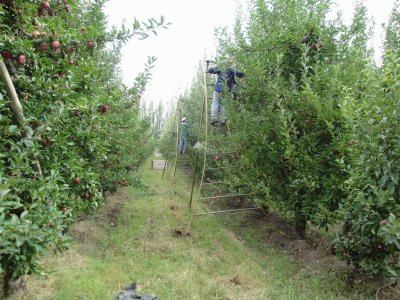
16,106
170,143
177,137
203,115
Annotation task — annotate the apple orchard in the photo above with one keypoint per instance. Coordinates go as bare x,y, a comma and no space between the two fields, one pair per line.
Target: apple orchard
316,124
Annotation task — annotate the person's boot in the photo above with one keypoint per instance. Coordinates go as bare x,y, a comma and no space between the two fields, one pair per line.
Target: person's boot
222,123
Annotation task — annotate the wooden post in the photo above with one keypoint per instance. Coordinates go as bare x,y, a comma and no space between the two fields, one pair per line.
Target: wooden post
16,106
206,127
170,143
193,179
177,137
203,114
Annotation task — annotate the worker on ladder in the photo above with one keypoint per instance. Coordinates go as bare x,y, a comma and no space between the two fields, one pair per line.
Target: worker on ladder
183,134
228,78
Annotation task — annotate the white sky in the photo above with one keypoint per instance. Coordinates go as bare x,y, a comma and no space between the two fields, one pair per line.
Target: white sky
190,37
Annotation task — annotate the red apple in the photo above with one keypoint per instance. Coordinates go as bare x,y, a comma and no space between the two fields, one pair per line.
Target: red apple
43,46
45,4
87,195
36,124
45,142
77,180
41,11
67,7
123,182
6,54
392,260
55,44
35,34
69,49
104,108
21,59
90,44
71,61
64,209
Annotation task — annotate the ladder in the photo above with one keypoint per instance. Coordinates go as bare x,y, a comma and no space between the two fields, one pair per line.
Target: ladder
210,150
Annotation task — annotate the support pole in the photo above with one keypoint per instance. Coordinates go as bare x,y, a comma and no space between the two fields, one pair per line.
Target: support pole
193,179
16,106
206,127
203,113
169,145
177,138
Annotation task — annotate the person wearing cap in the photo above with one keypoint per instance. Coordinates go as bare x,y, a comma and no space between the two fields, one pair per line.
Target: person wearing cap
224,78
183,134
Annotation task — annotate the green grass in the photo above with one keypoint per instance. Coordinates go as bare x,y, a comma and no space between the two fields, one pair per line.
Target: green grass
209,260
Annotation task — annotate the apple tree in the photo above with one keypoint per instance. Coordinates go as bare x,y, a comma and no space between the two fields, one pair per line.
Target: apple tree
81,133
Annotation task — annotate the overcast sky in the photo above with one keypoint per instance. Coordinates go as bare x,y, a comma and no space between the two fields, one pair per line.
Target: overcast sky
190,37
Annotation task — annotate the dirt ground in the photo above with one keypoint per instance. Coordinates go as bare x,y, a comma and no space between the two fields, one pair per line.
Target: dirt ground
83,230
312,252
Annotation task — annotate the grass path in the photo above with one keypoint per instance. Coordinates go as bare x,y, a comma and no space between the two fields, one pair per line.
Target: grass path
145,237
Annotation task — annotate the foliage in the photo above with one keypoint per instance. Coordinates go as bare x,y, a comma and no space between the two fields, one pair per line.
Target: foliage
314,124
392,40
371,238
85,134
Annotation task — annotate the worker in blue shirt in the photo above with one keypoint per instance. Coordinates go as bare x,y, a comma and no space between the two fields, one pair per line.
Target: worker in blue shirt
228,78
183,135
